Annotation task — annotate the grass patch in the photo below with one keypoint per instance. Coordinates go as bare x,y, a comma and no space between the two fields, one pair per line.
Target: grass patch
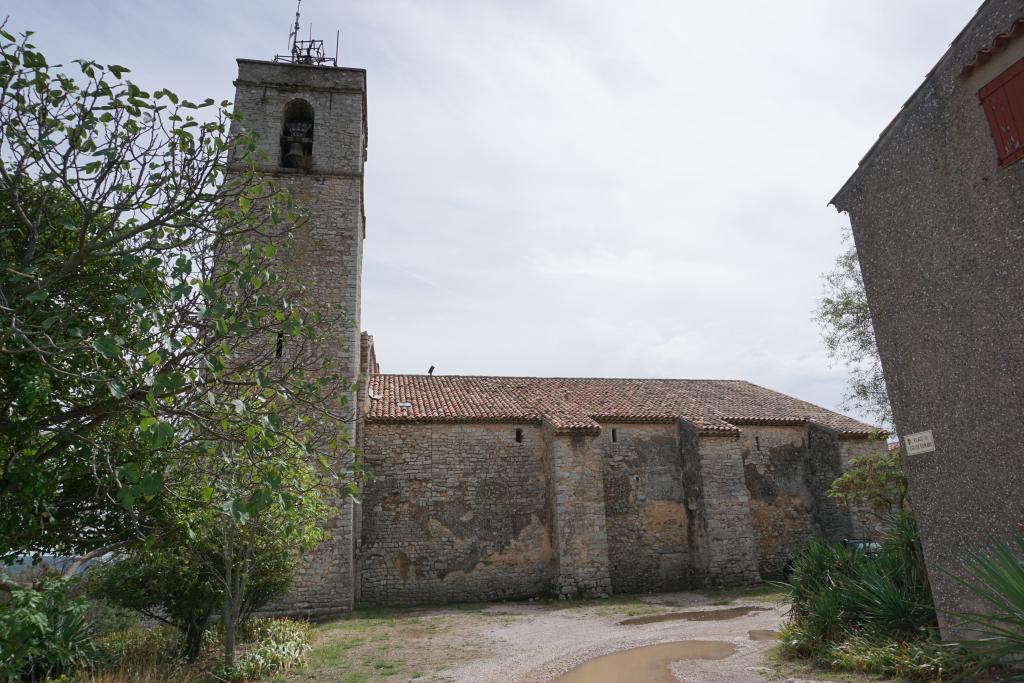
384,644
784,668
923,658
629,608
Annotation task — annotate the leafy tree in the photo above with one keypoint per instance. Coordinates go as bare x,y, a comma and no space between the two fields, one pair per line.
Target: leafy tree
849,336
163,376
272,515
875,483
179,577
141,308
164,581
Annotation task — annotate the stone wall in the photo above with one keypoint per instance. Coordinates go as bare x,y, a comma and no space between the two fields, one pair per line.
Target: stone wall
462,512
788,471
455,513
781,504
645,509
326,255
788,481
825,463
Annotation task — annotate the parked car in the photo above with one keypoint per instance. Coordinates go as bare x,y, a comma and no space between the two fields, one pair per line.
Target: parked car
863,545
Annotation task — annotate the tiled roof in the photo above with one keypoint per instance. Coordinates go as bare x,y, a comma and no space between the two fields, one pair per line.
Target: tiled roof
999,44
580,404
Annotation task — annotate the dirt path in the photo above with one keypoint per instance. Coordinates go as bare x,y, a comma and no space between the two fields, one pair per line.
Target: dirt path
539,642
544,644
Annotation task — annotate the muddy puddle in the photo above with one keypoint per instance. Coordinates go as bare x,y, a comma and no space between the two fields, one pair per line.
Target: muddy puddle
763,634
701,615
650,664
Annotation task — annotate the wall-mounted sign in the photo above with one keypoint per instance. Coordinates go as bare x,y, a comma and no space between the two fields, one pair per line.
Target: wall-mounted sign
921,442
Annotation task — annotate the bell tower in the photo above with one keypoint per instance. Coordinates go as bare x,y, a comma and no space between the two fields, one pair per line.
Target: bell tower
309,119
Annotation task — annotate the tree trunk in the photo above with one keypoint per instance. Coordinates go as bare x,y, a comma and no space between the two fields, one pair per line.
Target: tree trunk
194,638
229,598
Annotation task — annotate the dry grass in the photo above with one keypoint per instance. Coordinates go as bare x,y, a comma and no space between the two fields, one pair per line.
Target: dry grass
144,675
393,644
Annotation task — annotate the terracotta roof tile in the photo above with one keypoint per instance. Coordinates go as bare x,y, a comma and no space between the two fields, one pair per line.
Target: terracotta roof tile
999,44
581,404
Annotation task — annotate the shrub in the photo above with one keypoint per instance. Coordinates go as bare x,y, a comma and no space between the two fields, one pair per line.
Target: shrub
106,618
43,632
921,658
136,650
161,586
278,645
869,612
875,483
834,589
891,591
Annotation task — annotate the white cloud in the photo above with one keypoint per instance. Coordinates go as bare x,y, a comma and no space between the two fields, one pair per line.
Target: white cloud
580,187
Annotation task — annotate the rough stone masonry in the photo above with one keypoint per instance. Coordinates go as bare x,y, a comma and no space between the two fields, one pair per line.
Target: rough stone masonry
489,488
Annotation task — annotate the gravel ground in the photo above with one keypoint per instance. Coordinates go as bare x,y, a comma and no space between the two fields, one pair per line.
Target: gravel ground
542,642
538,642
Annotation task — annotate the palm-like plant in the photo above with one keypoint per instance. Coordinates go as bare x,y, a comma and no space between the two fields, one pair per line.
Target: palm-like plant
997,577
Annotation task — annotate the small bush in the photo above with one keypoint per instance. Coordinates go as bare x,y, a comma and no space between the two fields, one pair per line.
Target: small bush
135,650
277,645
922,658
105,618
835,589
869,613
44,632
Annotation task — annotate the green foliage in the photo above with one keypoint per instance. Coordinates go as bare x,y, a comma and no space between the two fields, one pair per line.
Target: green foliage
849,335
875,483
271,647
43,632
141,308
179,576
135,650
845,599
161,585
997,578
921,658
104,617
147,410
277,645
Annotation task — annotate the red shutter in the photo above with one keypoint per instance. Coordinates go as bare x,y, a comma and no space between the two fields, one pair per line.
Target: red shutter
1003,100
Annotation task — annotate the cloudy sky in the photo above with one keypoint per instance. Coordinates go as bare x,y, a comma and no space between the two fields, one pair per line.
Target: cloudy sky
578,187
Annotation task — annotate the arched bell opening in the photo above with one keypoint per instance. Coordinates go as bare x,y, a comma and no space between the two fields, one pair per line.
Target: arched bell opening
297,135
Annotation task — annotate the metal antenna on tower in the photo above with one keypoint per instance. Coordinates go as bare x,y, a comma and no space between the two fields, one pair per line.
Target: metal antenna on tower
305,51
293,31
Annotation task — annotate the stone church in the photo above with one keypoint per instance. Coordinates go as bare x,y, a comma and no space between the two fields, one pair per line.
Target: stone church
509,487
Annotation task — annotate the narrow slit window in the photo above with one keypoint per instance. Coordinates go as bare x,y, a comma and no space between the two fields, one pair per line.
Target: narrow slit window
615,435
279,346
757,442
519,436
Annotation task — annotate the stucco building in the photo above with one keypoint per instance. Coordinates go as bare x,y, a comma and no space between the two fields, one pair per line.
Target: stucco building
937,210
506,487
